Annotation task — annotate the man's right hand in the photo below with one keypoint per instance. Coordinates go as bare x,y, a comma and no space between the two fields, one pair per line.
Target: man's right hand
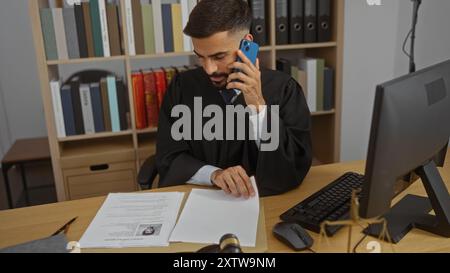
233,180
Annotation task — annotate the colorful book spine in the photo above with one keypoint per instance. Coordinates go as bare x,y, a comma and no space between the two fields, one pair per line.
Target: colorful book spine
97,107
114,29
185,12
57,109
177,28
76,103
96,28
310,67
70,27
161,85
104,28
88,28
48,32
105,104
113,103
149,31
68,111
320,84
130,28
328,98
139,100
86,106
81,31
137,24
158,25
167,27
151,99
123,103
60,33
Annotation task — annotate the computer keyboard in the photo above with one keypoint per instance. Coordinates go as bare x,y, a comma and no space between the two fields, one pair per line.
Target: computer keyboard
330,203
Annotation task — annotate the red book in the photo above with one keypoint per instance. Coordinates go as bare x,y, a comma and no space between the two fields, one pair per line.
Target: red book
151,99
161,85
139,100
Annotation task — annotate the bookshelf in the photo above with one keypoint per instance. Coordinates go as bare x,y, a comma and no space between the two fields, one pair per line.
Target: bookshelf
84,165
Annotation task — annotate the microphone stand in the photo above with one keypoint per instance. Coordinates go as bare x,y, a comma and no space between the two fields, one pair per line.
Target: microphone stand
412,64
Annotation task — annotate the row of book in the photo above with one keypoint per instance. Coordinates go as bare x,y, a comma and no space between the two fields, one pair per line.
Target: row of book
316,80
149,88
88,108
87,29
156,26
297,21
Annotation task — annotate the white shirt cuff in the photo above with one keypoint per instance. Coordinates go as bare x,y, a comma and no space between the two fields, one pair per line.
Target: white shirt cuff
257,122
203,176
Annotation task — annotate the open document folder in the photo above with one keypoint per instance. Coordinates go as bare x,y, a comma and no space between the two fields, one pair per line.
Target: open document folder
209,214
133,220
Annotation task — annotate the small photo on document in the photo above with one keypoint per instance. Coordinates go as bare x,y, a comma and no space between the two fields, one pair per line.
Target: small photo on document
148,230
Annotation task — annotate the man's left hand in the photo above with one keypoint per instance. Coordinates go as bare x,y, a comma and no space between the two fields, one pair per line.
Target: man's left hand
250,77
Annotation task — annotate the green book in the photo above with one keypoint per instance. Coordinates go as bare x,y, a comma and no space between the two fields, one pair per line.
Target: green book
149,31
294,73
96,28
320,83
48,32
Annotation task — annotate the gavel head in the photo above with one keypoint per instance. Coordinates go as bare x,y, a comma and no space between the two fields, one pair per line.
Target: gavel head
229,243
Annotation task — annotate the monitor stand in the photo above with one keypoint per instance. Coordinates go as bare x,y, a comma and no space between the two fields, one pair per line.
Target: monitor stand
413,211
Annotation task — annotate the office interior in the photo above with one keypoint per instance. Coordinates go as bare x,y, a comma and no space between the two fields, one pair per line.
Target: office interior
369,45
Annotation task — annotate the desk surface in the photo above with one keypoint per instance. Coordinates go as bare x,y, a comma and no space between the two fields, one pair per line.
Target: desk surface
25,224
27,150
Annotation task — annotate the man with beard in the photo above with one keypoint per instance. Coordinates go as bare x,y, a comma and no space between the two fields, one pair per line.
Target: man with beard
217,28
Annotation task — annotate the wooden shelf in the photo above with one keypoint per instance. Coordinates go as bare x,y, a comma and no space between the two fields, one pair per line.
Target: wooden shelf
96,146
161,55
141,142
323,113
97,135
305,46
147,130
86,60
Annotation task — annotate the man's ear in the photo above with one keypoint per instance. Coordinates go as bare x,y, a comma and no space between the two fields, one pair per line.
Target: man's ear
249,37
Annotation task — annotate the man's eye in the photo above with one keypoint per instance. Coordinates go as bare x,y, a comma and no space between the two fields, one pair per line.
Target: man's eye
220,57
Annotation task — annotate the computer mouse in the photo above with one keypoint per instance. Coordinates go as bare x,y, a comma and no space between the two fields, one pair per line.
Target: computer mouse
293,235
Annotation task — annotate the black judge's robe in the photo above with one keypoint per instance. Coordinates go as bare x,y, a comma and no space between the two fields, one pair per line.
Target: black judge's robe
276,171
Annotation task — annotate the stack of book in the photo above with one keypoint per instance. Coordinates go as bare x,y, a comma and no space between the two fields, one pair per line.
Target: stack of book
316,80
149,88
88,29
97,107
156,26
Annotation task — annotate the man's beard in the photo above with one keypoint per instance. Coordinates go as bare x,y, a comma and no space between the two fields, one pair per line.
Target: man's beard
219,80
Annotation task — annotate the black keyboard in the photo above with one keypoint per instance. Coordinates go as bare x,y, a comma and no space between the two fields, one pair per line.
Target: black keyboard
330,203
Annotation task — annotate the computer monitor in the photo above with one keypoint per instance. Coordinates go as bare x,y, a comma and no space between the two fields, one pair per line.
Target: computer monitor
410,133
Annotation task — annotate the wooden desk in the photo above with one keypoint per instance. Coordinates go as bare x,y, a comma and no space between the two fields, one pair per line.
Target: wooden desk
25,224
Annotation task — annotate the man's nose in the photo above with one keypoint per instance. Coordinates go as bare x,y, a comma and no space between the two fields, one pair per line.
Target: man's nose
210,67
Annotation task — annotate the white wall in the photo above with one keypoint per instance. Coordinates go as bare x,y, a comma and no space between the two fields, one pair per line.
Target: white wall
369,39
432,34
4,128
22,113
372,54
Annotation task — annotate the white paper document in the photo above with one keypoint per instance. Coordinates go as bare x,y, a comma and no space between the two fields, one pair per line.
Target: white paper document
133,220
210,214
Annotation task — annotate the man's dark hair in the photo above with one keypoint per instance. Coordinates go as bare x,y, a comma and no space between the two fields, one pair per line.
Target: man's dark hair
212,16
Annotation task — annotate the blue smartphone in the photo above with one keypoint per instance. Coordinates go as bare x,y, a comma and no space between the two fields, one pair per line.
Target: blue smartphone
250,50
